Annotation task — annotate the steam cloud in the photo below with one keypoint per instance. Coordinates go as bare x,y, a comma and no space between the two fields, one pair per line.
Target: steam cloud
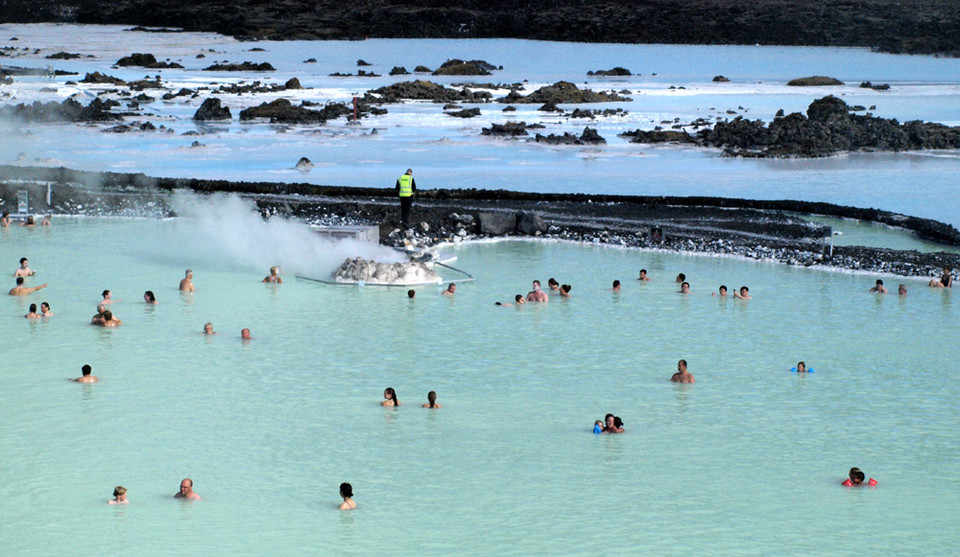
225,230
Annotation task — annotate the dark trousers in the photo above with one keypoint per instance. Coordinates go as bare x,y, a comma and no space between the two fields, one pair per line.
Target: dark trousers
405,204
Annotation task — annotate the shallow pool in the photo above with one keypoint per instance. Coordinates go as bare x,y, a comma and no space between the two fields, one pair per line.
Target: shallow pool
748,460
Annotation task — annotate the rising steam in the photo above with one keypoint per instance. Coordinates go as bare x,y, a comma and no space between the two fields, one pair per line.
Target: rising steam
225,230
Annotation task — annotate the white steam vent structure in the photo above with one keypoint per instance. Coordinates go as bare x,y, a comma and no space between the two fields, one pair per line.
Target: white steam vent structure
419,269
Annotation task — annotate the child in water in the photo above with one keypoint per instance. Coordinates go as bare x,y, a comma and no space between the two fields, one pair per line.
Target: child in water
856,479
119,496
598,426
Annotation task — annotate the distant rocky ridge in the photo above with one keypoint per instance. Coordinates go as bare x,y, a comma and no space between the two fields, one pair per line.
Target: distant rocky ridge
828,128
928,27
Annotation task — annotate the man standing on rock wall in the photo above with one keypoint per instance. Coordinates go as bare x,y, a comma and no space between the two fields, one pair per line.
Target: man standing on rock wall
405,188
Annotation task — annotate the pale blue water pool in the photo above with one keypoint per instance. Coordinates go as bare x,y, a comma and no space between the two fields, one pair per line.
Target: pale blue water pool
746,461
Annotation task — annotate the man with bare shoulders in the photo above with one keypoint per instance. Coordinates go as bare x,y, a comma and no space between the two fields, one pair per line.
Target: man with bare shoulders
97,319
24,270
537,295
744,293
245,334
21,290
682,376
451,290
208,329
643,275
186,491
109,320
86,377
186,284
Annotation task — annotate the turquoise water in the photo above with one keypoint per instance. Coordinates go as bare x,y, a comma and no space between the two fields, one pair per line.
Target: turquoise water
746,460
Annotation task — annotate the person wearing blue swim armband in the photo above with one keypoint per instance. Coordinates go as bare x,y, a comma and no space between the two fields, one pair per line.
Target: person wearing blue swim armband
802,368
598,426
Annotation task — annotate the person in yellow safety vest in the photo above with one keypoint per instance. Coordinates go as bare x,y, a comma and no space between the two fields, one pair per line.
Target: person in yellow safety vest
406,185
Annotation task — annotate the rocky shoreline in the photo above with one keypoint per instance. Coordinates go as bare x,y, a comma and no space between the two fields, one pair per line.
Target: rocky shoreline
756,229
829,127
931,27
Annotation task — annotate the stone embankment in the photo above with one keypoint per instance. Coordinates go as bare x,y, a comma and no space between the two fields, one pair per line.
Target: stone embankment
757,229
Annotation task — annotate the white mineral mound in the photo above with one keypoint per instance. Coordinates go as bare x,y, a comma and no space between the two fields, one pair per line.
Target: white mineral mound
359,269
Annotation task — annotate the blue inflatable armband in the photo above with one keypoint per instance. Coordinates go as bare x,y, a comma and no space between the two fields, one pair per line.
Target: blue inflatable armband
809,370
597,429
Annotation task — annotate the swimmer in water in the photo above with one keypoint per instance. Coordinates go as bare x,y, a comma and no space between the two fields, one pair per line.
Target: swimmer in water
744,293
431,400
721,292
598,426
346,491
24,270
30,222
682,375
273,276
856,478
107,297
186,491
680,278
119,496
46,220
245,334
32,314
186,283
21,290
902,290
685,287
945,280
801,367
109,320
98,318
616,286
519,299
565,290
208,328
614,425
643,275
879,288
537,295
45,310
5,219
553,284
450,290
389,397
149,298
86,376
411,293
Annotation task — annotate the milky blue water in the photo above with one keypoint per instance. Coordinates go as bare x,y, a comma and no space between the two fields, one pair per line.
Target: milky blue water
449,152
746,460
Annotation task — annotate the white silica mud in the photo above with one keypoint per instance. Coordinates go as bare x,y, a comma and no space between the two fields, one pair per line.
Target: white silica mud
358,270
